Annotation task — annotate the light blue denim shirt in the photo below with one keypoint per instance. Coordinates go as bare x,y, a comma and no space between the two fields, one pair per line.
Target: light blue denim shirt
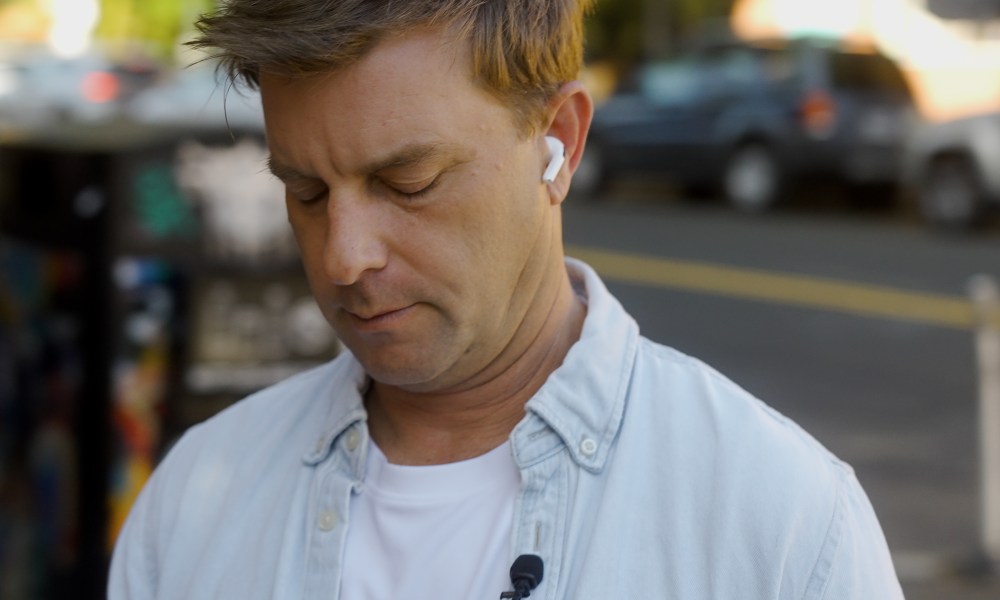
645,474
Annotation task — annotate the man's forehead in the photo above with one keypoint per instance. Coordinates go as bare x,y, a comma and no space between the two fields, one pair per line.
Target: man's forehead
376,114
414,153
396,55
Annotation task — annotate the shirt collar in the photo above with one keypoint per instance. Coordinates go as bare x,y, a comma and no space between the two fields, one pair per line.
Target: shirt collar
584,399
346,404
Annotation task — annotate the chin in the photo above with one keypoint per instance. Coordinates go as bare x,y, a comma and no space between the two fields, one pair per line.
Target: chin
411,373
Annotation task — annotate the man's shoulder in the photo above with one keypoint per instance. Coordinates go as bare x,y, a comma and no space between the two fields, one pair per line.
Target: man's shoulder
693,442
738,451
711,416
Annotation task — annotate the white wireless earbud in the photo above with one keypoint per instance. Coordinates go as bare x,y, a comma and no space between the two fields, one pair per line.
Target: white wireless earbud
557,152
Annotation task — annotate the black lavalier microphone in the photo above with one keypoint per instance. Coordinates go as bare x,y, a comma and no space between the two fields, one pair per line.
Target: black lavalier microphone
525,574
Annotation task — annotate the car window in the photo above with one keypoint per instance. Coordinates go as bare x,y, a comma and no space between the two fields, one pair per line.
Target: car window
670,83
728,72
866,72
777,65
731,66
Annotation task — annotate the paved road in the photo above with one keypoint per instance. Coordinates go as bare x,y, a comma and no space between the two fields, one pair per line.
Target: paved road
773,303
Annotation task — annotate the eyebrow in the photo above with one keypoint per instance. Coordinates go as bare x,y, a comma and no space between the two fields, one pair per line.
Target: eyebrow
282,171
406,156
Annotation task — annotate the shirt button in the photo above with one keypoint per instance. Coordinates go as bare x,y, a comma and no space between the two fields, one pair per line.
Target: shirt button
352,440
588,447
327,520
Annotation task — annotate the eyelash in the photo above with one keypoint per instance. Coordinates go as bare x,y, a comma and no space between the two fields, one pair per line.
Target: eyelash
417,194
407,195
312,199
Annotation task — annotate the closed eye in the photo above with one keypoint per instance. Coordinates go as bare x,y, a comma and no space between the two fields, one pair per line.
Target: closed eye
422,191
307,195
411,191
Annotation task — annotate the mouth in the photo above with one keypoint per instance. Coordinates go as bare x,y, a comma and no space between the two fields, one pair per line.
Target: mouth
378,319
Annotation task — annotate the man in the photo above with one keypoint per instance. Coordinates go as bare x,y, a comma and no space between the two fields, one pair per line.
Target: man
495,401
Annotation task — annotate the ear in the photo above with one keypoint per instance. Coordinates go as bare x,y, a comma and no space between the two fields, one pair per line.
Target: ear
571,110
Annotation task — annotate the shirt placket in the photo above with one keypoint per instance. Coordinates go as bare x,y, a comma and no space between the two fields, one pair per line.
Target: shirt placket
541,518
329,504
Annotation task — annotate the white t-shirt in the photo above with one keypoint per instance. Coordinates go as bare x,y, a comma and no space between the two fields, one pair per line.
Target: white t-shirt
432,532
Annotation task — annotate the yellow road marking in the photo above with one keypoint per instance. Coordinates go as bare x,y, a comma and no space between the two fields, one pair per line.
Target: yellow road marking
812,292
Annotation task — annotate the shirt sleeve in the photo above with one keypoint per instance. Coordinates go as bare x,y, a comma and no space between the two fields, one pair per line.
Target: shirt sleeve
133,574
854,563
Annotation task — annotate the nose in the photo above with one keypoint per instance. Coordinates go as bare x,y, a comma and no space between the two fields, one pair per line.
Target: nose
355,240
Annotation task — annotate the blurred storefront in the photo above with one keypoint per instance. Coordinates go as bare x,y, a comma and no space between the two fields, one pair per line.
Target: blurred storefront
148,277
148,280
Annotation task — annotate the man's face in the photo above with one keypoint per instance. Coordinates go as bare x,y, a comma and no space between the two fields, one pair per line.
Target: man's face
424,226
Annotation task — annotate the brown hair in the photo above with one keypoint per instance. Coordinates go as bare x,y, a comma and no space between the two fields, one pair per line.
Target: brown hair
522,50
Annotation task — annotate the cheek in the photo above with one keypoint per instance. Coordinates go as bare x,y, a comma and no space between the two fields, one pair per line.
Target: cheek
510,223
503,201
499,237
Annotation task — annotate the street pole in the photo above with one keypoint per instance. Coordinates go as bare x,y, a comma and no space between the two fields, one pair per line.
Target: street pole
985,295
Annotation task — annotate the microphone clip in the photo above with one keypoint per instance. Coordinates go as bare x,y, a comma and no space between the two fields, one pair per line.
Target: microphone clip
525,574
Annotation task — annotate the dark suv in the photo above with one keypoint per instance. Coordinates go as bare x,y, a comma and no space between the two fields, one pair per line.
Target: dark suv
751,118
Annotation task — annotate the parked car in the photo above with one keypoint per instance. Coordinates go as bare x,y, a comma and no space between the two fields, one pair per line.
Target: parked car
41,90
952,169
752,118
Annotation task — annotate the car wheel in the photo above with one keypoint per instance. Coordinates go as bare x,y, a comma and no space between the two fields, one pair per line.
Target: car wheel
591,176
950,194
752,179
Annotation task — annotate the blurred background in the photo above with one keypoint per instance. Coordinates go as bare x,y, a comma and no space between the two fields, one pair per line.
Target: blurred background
803,193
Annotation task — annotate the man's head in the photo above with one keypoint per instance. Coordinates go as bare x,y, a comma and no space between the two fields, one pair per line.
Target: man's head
521,51
431,239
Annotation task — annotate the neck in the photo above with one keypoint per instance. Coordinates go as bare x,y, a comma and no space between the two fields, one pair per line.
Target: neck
418,428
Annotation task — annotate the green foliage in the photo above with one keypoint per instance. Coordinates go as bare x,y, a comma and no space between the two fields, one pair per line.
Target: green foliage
619,31
626,31
614,30
157,23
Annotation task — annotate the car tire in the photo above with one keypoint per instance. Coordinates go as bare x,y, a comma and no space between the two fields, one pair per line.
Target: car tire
591,175
752,181
950,194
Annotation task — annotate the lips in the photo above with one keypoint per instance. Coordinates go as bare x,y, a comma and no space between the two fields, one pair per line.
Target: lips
373,316
378,319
